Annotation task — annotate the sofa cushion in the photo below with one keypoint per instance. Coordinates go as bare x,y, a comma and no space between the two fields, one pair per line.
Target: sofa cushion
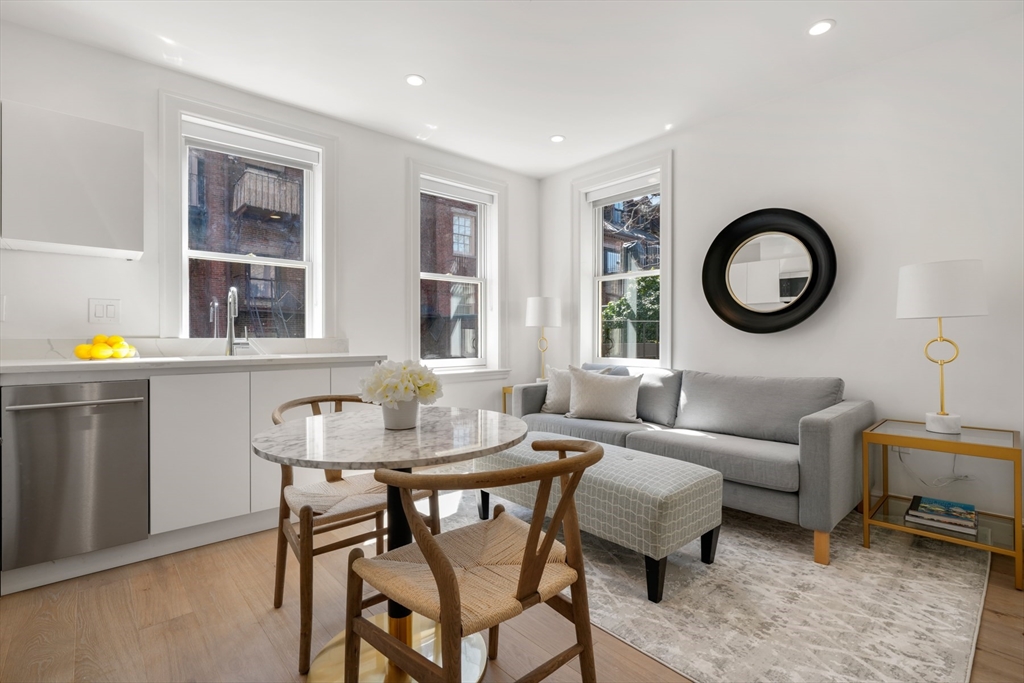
768,464
658,399
602,397
616,370
755,407
595,430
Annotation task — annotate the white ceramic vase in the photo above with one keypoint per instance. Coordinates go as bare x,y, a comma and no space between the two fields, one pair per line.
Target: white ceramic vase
404,415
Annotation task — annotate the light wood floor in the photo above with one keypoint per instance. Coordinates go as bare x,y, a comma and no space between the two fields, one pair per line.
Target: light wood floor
206,615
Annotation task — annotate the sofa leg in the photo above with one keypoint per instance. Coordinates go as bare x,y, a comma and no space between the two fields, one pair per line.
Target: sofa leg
709,544
655,577
821,553
483,504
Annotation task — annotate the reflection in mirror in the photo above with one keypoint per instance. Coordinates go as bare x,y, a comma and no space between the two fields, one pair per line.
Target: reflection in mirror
769,272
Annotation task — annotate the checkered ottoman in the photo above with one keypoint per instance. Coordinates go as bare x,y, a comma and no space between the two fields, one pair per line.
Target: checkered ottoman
647,503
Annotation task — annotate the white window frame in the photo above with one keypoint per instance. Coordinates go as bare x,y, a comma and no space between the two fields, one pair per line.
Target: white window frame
589,194
185,122
491,246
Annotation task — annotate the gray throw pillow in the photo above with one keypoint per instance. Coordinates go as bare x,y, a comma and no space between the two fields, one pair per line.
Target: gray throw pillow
603,397
559,389
658,400
767,408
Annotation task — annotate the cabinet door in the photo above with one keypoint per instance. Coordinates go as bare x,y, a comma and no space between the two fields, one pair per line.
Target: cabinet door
271,388
199,449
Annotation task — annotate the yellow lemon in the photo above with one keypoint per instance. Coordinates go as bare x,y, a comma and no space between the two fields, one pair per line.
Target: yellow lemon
83,351
101,352
131,351
99,339
121,351
116,339
117,345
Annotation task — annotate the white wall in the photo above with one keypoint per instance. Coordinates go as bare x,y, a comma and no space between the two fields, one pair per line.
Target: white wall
46,293
919,158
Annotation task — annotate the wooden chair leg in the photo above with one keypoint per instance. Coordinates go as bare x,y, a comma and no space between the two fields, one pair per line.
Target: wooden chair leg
355,600
379,525
492,643
305,586
282,554
435,513
821,549
451,651
581,619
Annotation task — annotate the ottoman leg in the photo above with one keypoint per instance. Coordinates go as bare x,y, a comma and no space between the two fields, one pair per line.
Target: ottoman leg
709,544
655,577
483,504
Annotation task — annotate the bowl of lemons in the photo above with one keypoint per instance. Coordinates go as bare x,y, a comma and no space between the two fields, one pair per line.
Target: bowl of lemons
105,348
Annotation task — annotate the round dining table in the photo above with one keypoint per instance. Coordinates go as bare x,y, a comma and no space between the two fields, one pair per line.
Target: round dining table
357,440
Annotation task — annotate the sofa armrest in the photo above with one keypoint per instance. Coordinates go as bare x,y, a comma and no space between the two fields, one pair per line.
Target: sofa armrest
528,398
830,462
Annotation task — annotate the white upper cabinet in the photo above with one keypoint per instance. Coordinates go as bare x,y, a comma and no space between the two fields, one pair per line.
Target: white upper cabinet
70,185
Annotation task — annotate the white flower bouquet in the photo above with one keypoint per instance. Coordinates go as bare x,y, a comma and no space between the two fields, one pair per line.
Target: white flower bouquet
392,382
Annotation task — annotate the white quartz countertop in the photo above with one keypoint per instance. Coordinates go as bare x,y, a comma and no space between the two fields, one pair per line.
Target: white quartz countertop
174,363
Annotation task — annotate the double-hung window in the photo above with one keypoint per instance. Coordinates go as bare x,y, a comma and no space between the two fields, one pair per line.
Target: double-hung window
456,233
624,230
250,221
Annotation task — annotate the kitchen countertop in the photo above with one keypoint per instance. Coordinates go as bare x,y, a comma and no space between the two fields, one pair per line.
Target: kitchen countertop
35,371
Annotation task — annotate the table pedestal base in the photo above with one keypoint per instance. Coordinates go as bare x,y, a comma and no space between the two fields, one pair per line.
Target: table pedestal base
329,665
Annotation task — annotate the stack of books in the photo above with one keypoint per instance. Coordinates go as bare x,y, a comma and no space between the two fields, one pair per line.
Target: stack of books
943,514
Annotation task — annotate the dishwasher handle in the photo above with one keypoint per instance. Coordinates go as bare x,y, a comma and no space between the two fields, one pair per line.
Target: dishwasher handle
76,404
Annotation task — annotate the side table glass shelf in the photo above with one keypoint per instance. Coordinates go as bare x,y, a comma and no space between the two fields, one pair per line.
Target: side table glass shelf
996,533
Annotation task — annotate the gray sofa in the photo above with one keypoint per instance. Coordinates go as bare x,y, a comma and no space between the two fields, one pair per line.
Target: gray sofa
787,448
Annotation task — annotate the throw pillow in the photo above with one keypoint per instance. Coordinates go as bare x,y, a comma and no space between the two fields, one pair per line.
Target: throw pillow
602,397
560,388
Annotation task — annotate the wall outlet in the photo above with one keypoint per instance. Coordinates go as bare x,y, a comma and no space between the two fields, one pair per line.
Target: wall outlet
104,311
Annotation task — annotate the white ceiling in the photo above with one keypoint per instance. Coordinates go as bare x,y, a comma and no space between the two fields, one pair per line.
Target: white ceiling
502,77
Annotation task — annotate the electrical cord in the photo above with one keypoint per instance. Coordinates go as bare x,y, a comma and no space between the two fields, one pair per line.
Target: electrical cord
939,482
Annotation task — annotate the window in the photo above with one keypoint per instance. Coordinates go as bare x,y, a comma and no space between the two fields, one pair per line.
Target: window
456,240
629,283
451,279
248,226
623,222
462,234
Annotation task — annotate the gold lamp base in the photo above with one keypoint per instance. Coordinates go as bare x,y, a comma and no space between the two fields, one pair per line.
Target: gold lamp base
329,665
942,422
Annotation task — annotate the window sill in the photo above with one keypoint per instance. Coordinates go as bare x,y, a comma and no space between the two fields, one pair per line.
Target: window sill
454,375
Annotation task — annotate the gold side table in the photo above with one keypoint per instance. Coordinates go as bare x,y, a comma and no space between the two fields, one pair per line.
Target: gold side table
505,393
996,533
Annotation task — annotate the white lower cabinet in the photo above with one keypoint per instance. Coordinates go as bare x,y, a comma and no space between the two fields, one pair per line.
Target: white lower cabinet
270,389
199,449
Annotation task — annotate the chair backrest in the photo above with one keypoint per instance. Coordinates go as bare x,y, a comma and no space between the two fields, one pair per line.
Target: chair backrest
314,403
569,470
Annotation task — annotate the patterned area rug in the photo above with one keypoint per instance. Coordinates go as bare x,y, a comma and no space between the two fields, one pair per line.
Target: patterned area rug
907,609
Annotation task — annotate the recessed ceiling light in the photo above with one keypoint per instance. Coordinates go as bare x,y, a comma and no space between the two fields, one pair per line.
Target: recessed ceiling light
166,40
668,126
274,216
822,26
415,79
557,138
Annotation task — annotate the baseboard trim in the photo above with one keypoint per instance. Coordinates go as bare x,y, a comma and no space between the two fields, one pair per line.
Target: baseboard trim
24,578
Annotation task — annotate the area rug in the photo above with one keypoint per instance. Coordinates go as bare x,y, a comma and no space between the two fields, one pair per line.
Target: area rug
907,609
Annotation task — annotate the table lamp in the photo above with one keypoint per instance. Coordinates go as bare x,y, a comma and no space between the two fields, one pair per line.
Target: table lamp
945,289
543,311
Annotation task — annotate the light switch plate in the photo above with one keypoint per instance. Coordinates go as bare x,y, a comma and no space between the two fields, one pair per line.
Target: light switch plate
104,311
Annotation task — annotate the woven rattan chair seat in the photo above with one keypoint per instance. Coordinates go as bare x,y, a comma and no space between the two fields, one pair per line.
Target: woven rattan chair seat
486,557
333,501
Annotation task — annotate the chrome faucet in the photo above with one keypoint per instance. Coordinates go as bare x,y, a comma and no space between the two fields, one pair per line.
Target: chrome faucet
232,313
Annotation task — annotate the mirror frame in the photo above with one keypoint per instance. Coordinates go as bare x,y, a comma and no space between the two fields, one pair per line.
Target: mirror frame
745,228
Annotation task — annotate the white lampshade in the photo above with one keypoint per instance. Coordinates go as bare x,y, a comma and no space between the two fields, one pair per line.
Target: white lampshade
543,311
944,289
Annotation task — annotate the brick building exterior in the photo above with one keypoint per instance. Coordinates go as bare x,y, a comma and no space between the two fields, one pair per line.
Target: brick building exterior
243,206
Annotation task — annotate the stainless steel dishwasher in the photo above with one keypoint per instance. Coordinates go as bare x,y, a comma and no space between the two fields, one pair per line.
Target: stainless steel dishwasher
75,467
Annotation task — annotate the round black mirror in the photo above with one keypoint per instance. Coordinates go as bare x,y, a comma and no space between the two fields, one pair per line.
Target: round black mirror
769,270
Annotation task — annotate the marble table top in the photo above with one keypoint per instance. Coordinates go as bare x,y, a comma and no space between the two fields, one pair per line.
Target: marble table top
356,439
